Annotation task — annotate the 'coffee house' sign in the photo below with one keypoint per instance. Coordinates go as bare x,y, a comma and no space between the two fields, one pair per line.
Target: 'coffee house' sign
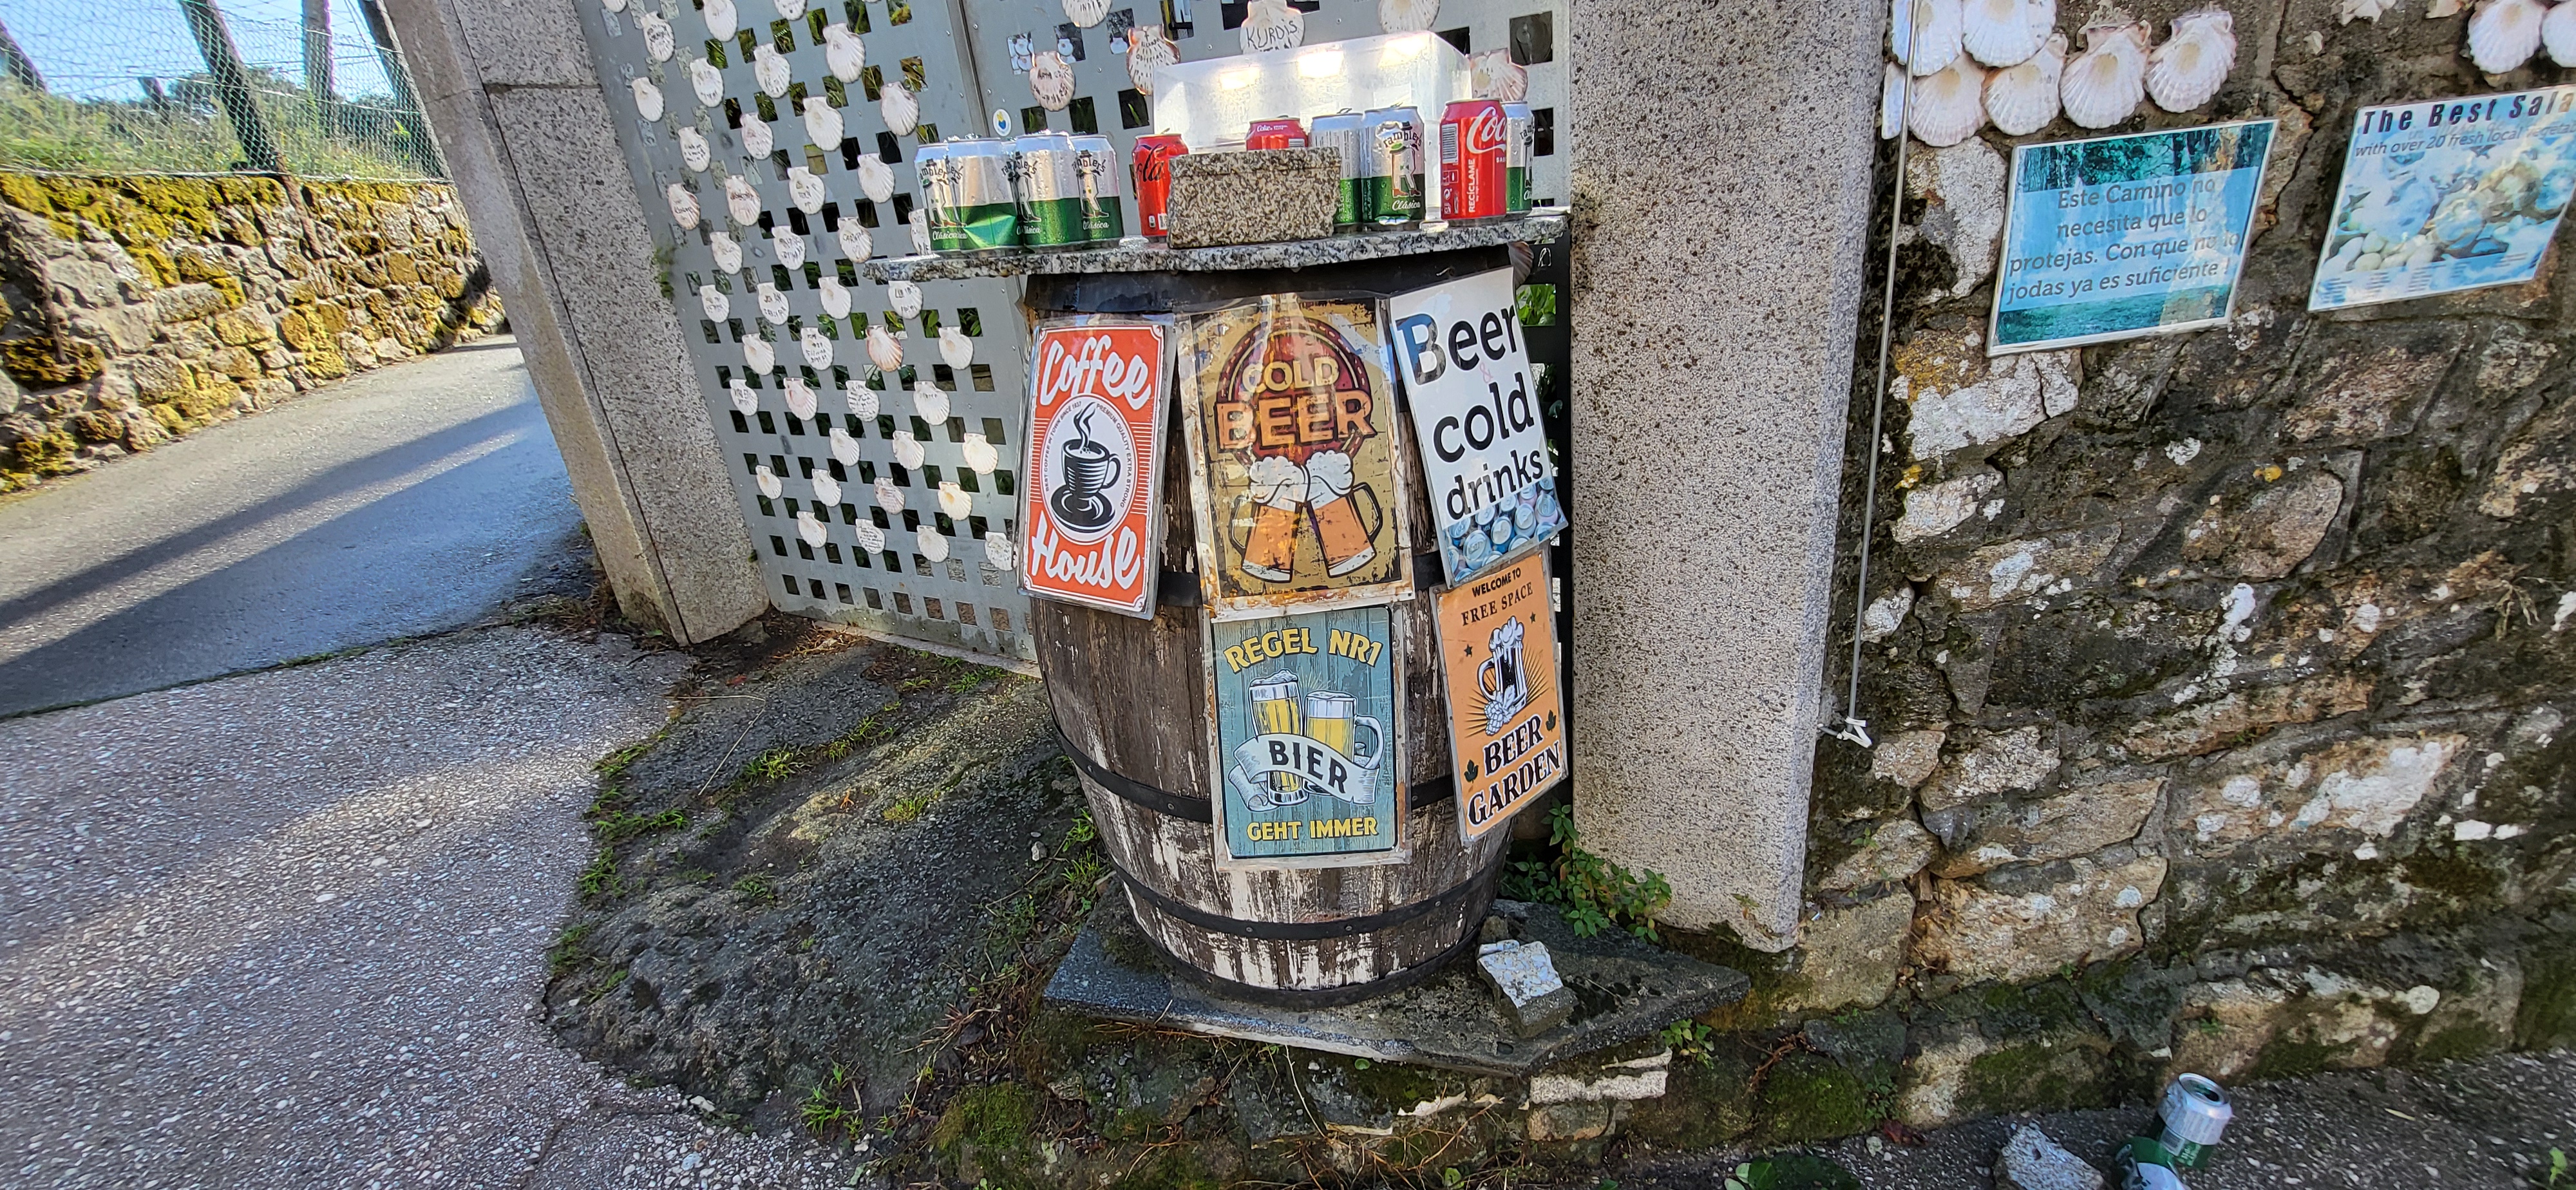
1089,516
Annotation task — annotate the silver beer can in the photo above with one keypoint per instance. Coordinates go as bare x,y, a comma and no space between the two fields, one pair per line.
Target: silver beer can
1340,132
1098,167
1519,145
1391,184
1046,171
2195,1113
966,196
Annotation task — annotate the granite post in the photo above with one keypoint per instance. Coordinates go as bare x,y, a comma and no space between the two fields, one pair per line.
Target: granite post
530,141
1722,171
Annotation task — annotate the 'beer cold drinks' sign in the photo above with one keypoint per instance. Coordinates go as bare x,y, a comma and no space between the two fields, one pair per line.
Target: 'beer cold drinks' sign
1090,527
1475,416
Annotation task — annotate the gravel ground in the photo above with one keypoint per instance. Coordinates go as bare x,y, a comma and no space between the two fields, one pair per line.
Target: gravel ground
288,929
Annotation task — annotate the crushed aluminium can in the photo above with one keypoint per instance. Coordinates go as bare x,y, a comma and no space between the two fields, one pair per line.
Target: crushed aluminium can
2195,1112
1104,212
966,196
1519,145
1392,180
1046,170
1340,132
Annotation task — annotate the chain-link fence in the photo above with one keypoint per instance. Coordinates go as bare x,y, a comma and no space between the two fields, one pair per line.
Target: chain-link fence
313,88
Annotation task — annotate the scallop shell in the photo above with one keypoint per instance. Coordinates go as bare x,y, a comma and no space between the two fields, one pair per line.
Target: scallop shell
954,501
822,123
955,349
979,454
1407,16
684,205
773,304
863,401
1085,13
713,301
613,5
2558,32
745,401
706,81
2185,72
741,201
1931,36
901,111
648,100
843,53
2504,34
1271,25
1051,80
719,18
770,71
931,544
1998,32
818,350
884,350
1891,102
907,450
1495,76
890,497
809,528
1148,50
791,250
805,190
759,356
789,10
835,296
1949,104
845,449
2022,99
998,553
727,251
800,398
2439,8
919,226
906,297
930,401
693,150
658,42
768,481
871,538
876,180
827,490
757,139
854,238
2103,85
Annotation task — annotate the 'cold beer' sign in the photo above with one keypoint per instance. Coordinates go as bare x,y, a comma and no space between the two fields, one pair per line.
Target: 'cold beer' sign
1475,415
1090,531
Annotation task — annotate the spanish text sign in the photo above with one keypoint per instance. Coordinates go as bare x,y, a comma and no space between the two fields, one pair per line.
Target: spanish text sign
1306,717
2449,195
1475,405
2121,236
1506,709
1089,530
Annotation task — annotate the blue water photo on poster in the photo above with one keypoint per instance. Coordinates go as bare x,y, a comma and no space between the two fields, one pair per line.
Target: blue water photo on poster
1305,720
2449,195
2121,236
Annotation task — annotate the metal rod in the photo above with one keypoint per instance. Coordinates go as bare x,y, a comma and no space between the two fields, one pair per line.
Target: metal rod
232,84
15,61
317,52
423,149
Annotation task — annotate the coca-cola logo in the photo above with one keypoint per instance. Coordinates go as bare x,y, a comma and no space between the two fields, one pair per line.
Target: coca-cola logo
1485,132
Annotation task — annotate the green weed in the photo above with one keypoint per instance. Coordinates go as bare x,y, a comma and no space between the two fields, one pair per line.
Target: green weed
619,827
2557,1170
600,878
1591,892
756,889
567,953
770,765
1691,1041
823,1109
616,979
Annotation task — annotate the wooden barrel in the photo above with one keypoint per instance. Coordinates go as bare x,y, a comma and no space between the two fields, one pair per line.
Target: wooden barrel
1130,699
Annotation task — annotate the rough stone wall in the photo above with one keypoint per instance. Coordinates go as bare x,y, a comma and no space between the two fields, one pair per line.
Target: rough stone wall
2221,682
134,308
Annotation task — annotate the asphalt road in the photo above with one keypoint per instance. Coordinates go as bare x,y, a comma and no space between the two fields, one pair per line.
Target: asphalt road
412,499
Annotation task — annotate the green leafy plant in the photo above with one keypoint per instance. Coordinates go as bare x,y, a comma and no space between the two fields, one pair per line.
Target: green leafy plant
1691,1041
770,765
619,827
600,878
1790,1171
1592,893
756,889
2557,1170
1082,830
823,1108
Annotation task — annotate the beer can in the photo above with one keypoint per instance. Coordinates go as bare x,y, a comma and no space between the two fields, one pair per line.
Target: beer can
1472,161
1340,132
1277,132
2195,1113
1152,173
1104,211
1049,180
1391,180
2142,1164
966,196
1520,140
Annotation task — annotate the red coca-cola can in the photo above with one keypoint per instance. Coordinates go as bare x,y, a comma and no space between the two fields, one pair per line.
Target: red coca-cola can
1475,161
1283,132
1153,172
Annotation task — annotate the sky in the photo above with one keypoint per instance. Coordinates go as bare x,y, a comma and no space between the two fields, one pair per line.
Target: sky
97,49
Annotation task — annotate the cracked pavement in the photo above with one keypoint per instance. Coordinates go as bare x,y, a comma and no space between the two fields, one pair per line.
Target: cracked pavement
289,929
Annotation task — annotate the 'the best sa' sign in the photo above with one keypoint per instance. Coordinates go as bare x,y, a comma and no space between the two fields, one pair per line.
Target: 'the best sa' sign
1090,521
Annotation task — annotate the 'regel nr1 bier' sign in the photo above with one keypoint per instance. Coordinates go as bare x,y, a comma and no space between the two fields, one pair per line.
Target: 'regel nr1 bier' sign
1306,716
1475,415
1090,501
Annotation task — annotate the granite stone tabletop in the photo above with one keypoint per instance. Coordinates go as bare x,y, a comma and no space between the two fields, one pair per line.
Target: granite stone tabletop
1541,226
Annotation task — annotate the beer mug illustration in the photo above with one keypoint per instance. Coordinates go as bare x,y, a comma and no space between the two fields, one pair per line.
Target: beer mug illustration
1347,540
1274,712
1502,677
1278,494
1332,720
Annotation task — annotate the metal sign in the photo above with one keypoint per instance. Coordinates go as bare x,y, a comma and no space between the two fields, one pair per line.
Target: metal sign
1506,706
1092,506
1292,429
1307,716
2449,195
1475,405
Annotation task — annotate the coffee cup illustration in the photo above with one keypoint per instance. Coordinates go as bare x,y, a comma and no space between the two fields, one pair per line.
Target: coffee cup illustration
1502,677
1089,470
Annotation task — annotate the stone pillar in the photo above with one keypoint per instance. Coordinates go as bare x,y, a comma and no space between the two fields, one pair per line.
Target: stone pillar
531,143
1722,168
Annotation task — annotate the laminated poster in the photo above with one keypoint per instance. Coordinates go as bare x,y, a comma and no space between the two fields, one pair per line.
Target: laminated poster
1292,431
2449,195
1474,400
2121,236
1506,709
1090,521
1306,716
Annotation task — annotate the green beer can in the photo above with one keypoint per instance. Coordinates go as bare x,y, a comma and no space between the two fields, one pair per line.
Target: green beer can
1104,212
1047,173
966,196
1393,175
1519,138
1340,132
2194,1113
